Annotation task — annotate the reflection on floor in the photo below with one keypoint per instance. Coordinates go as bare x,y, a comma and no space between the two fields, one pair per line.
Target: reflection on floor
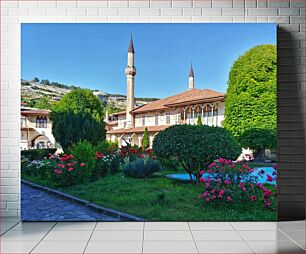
152,237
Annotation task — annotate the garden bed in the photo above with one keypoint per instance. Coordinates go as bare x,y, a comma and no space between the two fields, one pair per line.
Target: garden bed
161,199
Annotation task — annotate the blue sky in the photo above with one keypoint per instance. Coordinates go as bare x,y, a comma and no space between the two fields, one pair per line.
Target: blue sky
95,55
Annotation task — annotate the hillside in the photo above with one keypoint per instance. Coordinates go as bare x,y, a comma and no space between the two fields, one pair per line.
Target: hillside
33,91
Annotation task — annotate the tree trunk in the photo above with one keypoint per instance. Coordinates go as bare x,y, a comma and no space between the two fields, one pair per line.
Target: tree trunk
260,157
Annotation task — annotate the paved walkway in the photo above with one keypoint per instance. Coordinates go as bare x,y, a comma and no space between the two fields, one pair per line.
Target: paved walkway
38,205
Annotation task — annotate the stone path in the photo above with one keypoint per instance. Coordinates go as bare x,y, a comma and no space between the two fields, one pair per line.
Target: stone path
38,205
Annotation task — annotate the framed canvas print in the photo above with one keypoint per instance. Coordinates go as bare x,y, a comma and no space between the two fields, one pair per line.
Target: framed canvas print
148,122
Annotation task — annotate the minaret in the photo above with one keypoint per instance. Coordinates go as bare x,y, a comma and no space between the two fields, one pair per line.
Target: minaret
191,84
130,72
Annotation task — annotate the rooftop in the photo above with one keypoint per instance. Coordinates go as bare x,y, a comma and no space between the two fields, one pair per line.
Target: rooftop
184,98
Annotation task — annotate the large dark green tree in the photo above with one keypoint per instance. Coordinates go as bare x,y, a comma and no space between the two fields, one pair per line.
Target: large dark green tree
69,128
195,146
250,102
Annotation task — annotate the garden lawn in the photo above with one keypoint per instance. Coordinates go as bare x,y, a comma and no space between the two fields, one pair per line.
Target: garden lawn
161,199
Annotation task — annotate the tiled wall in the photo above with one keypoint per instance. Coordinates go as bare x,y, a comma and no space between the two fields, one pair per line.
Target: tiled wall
289,14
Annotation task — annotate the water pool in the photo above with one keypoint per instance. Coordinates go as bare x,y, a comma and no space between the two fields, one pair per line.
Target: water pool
261,178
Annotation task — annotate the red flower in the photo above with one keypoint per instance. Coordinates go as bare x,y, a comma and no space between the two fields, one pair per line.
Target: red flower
269,178
227,182
202,172
70,169
58,171
228,199
202,180
82,164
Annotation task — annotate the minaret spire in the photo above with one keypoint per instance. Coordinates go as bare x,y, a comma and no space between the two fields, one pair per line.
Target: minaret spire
130,72
191,84
131,46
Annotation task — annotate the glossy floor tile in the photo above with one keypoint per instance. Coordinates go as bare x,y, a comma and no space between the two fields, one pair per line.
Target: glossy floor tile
152,237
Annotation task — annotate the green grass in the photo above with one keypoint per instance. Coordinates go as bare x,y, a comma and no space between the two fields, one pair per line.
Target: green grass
162,199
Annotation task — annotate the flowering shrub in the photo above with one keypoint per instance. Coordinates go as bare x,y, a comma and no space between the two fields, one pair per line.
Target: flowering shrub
227,181
36,168
67,170
132,153
61,170
108,162
84,152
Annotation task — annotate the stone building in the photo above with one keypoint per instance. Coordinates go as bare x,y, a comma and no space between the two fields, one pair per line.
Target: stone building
184,108
36,129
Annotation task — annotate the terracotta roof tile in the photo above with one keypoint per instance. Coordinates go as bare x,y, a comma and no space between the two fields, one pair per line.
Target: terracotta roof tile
35,112
138,129
184,97
118,113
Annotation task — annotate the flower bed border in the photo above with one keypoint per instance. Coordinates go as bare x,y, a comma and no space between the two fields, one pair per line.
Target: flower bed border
107,211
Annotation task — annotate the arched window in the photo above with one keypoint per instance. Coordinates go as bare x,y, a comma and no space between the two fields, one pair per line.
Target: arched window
44,122
38,122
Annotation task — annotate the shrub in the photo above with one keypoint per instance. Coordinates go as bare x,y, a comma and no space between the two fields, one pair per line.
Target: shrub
169,163
61,171
84,152
227,182
108,162
106,147
141,168
37,154
68,171
195,146
36,168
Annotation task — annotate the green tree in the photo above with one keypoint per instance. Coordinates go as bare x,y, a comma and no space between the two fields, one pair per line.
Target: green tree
77,117
199,121
196,146
43,103
36,80
258,139
145,139
80,101
250,101
45,82
69,128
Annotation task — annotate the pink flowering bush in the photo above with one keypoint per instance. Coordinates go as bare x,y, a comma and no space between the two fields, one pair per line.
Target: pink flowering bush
67,170
225,181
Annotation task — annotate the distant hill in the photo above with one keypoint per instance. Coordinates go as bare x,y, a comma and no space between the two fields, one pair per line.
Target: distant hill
32,91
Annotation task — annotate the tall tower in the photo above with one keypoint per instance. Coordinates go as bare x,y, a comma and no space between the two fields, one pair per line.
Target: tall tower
130,72
191,84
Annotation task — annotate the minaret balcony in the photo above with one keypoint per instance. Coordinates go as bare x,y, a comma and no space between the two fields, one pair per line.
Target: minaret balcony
130,70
